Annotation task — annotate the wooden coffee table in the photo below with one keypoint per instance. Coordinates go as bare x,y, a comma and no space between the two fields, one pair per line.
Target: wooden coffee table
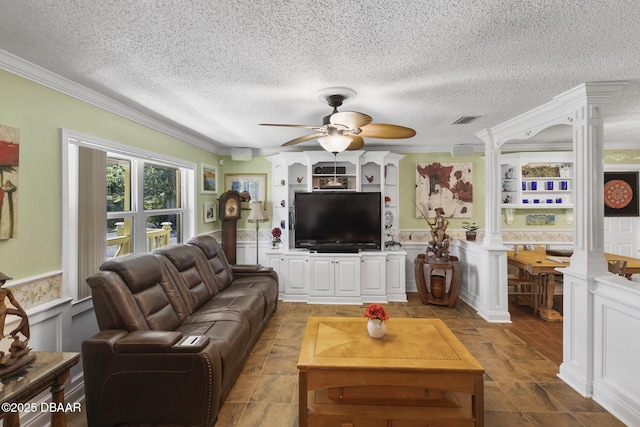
419,373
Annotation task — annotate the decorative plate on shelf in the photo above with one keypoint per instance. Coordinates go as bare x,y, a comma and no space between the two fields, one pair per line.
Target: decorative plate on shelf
617,194
388,219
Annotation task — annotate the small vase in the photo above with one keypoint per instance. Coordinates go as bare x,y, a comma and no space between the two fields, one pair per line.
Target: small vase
275,244
376,328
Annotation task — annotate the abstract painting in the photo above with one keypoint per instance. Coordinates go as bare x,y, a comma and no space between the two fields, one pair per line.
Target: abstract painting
9,162
445,185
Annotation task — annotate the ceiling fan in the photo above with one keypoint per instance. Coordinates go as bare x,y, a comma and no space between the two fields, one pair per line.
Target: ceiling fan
345,130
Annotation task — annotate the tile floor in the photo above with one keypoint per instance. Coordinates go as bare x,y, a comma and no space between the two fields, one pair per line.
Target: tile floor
521,387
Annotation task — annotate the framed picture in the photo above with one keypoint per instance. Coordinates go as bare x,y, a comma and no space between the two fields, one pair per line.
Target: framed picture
209,213
209,177
252,187
444,185
621,194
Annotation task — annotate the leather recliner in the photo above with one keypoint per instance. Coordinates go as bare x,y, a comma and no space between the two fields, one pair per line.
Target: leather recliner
176,328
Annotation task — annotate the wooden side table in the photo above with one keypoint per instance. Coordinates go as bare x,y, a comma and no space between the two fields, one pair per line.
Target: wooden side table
50,370
448,283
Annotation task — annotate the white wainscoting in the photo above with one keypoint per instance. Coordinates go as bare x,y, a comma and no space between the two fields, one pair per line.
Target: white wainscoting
481,268
616,347
50,324
58,325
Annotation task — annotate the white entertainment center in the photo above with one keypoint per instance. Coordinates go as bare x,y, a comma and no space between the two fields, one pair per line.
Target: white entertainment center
336,278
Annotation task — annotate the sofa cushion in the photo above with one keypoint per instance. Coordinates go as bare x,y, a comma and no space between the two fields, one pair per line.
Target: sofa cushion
251,307
216,258
155,296
256,284
229,331
189,269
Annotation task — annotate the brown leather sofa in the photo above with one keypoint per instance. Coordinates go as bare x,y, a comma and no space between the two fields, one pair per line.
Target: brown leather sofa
176,327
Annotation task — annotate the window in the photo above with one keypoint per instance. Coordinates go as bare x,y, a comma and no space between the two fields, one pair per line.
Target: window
119,200
159,193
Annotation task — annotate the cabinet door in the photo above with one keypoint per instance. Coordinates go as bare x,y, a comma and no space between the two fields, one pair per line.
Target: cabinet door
322,273
347,276
373,273
296,274
275,262
395,275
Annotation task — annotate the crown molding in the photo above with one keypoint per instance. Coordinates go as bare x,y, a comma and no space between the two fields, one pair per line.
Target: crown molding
32,72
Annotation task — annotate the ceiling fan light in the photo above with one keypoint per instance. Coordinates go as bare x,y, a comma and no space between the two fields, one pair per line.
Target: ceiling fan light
335,143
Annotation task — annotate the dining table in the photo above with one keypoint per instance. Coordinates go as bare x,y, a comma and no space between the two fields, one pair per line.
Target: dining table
542,268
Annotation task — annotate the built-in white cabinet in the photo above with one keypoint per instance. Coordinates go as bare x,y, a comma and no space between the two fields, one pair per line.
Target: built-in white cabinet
369,276
293,272
334,276
395,276
373,277
537,180
353,171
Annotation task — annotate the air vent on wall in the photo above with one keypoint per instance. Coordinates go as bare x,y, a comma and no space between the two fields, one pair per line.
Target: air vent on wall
465,120
241,154
462,150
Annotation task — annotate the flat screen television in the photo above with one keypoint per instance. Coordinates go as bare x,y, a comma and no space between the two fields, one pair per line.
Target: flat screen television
338,221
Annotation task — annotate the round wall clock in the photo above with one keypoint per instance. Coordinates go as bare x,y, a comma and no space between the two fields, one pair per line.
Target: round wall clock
617,194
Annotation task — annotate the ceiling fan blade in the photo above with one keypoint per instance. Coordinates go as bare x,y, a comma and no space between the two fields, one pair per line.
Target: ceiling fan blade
291,126
377,130
302,139
356,144
350,119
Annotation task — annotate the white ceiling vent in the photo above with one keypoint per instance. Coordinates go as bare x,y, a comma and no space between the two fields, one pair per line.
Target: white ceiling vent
465,120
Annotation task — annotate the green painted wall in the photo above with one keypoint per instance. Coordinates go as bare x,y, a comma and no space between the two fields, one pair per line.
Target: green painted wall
407,186
39,113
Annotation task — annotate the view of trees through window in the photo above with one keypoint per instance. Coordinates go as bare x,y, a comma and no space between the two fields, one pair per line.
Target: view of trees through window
161,211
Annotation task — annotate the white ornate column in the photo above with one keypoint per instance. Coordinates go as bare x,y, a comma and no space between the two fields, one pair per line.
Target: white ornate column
492,211
585,113
492,295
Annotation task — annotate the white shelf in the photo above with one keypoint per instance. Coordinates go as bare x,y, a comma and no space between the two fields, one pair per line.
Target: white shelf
513,167
536,206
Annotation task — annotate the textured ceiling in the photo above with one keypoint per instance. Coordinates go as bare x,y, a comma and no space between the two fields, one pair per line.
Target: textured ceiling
218,68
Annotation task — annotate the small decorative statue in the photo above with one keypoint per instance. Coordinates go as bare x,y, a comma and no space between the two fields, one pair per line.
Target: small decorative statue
392,239
18,350
439,245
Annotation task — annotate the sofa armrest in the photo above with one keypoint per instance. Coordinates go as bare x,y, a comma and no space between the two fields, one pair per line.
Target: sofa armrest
159,342
244,270
150,377
250,269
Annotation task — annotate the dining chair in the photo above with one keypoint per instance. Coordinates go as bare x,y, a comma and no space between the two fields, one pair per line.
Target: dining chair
618,267
523,288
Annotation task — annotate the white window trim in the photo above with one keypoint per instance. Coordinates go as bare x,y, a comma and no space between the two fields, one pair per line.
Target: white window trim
70,142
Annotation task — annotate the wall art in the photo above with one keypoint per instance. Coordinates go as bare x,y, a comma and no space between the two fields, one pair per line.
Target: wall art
621,194
540,219
445,185
252,187
9,162
210,212
209,179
